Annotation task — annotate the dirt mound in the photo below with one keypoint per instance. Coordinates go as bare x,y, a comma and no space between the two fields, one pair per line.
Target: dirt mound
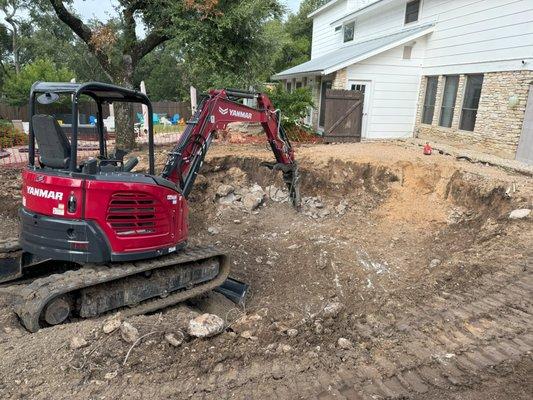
397,279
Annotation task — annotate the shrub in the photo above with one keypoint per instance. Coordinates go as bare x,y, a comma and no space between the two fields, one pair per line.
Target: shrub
10,137
293,105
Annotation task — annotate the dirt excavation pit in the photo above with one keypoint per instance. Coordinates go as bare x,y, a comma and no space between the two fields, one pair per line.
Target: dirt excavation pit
395,279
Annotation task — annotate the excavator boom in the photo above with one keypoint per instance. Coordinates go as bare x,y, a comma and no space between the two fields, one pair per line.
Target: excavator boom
215,112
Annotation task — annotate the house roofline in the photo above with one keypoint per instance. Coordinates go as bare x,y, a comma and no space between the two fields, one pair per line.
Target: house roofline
380,50
324,7
326,71
278,77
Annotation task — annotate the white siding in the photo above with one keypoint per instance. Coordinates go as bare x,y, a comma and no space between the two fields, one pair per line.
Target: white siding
470,35
325,39
479,36
394,91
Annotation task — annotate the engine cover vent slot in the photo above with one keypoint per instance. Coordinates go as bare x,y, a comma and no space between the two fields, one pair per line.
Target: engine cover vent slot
136,214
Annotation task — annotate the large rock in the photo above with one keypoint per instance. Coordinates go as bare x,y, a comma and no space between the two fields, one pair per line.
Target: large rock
206,325
520,213
276,194
227,200
253,199
223,190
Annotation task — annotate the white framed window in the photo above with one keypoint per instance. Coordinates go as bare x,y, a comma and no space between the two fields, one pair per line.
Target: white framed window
349,31
412,11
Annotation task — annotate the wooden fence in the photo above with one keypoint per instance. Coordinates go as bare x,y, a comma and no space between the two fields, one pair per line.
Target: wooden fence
89,108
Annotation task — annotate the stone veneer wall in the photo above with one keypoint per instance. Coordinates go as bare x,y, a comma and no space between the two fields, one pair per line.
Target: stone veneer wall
341,79
498,125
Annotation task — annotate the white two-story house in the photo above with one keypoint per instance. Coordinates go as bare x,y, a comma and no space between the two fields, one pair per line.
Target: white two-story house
457,68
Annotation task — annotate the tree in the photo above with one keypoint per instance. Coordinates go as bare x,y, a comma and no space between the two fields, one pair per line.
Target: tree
230,48
119,51
295,43
10,9
17,86
162,70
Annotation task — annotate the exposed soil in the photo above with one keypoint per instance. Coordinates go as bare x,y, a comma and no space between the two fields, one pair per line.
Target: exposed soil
411,259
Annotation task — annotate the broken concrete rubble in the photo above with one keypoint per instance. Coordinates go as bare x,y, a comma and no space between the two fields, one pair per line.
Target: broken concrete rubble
206,325
224,190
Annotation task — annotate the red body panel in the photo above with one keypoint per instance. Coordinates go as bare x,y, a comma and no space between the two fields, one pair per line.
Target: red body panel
134,216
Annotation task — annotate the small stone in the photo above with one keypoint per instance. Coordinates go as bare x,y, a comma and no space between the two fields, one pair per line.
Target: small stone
319,329
173,340
112,324
206,325
77,342
293,247
224,190
434,263
213,230
520,213
292,332
249,323
248,335
332,310
344,343
237,221
111,375
128,332
284,348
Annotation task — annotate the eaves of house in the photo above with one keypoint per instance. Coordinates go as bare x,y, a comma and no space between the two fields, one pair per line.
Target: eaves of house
348,55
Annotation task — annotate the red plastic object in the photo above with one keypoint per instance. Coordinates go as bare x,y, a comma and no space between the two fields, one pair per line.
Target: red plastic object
427,149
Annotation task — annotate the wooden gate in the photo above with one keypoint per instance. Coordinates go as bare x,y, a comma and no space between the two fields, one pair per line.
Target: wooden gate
344,116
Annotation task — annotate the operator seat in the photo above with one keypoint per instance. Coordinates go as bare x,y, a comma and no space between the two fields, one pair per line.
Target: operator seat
54,147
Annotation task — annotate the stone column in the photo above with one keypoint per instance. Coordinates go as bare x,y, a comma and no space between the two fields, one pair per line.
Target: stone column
438,100
341,79
459,102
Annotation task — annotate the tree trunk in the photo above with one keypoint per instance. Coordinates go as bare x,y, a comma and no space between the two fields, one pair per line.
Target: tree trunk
125,135
124,119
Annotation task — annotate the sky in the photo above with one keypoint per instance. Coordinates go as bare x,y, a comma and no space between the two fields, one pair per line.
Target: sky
102,9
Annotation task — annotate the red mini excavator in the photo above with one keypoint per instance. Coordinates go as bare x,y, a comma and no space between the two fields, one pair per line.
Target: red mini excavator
123,233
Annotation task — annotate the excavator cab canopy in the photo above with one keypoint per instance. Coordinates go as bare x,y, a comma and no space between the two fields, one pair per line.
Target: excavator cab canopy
56,151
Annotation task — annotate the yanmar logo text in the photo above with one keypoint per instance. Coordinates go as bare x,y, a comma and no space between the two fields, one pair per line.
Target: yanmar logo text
235,113
45,194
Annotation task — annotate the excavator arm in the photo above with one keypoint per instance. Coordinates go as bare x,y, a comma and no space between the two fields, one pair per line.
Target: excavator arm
215,112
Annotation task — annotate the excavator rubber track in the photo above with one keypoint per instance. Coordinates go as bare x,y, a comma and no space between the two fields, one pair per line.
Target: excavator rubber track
95,289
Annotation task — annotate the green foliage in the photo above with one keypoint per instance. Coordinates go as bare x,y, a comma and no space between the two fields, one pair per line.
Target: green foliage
162,72
293,105
17,87
230,48
10,137
295,42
